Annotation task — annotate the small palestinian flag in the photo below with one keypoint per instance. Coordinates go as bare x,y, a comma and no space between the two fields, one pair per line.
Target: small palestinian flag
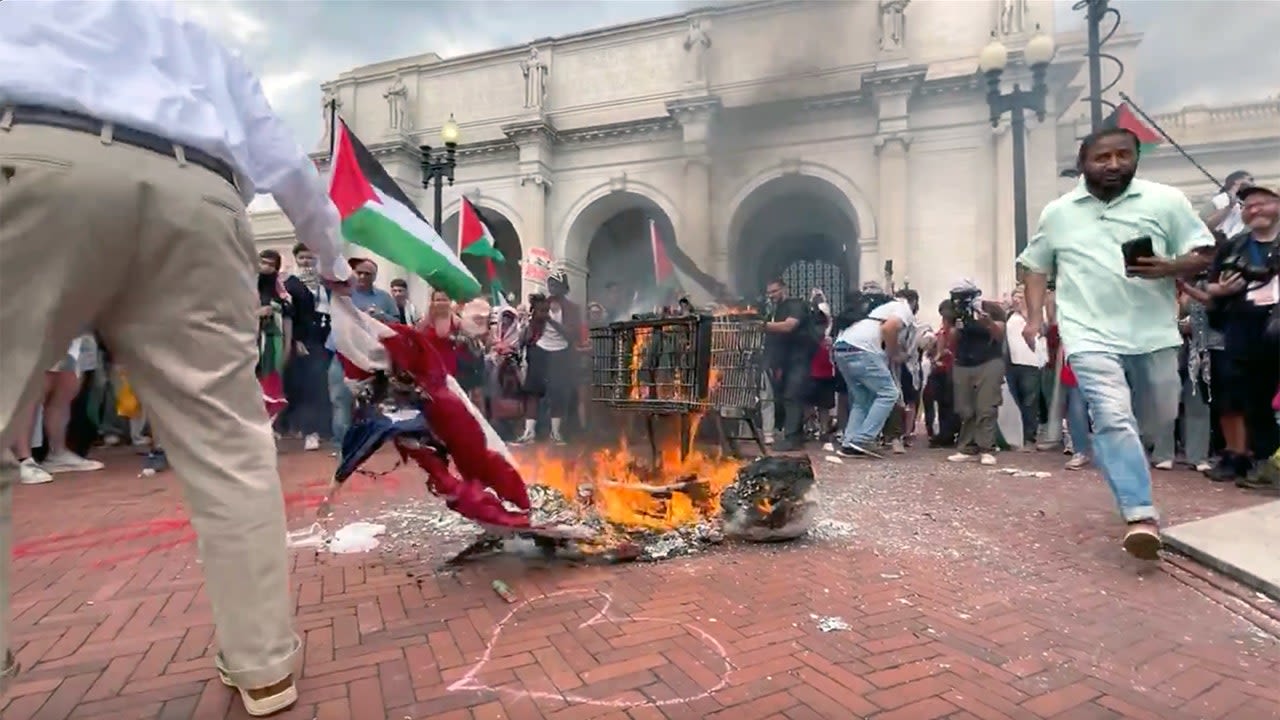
476,240
378,216
1124,117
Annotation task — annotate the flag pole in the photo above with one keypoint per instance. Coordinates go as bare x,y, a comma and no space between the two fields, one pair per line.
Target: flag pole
333,126
1129,101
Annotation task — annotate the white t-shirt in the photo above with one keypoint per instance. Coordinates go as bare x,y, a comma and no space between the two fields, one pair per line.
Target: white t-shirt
1019,353
552,340
1233,223
865,334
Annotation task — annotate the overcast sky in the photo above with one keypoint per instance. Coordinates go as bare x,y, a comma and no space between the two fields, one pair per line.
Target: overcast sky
1198,45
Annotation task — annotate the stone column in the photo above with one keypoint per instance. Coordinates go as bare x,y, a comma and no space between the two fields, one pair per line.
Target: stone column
534,187
891,151
535,140
696,234
892,87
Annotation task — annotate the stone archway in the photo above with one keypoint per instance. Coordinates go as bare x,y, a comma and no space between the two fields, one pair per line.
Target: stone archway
613,234
800,228
507,240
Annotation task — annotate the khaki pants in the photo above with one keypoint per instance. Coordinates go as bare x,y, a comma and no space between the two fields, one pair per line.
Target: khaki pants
158,256
977,404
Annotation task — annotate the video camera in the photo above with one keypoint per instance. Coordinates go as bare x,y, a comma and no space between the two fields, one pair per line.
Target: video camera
1253,274
966,304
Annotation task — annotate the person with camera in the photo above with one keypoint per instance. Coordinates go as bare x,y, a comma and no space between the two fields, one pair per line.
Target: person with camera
1225,211
1245,286
1115,244
977,372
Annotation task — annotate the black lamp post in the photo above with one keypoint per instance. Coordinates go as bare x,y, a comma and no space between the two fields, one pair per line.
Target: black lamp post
992,61
438,165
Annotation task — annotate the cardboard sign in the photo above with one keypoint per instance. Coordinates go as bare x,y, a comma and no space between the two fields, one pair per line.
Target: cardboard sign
537,266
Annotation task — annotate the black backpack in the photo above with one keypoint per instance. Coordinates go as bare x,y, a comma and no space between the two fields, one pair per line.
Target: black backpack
857,307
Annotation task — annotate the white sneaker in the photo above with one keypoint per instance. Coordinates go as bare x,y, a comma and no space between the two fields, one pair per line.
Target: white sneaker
556,439
311,442
962,457
828,447
987,459
1078,461
897,447
1203,467
30,473
1164,465
67,461
768,438
524,439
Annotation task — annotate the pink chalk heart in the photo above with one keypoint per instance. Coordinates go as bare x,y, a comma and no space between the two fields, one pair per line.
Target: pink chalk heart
606,632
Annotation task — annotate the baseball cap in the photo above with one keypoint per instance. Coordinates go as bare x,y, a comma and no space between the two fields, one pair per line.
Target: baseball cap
1255,189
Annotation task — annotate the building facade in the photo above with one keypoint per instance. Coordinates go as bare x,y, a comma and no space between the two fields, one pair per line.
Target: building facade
814,141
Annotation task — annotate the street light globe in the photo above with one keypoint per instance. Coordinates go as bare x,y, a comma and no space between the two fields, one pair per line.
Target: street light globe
1040,49
449,132
994,57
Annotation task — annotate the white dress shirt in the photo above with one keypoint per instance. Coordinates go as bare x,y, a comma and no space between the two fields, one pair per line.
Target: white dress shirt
146,66
1233,224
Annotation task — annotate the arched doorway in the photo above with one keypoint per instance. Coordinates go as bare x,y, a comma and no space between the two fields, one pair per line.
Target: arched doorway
619,256
505,238
799,228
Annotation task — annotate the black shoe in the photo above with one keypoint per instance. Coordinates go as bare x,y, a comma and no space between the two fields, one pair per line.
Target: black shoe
1229,468
156,461
787,445
856,451
1265,476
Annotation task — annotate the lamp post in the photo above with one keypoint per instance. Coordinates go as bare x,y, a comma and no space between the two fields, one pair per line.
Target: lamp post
992,61
438,165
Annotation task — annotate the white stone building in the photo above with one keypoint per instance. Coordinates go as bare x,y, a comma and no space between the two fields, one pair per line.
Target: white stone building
815,140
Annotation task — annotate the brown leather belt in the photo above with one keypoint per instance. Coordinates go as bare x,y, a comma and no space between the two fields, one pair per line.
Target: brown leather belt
33,115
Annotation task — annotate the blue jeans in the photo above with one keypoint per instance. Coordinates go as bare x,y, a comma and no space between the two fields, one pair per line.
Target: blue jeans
341,399
872,393
1078,422
1124,393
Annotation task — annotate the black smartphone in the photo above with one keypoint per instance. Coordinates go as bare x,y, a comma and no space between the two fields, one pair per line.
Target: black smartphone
1135,249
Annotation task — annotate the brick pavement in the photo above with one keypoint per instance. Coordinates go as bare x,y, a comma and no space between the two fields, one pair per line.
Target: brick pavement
968,594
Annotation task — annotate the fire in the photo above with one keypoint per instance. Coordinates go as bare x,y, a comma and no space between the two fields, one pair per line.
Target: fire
637,359
632,495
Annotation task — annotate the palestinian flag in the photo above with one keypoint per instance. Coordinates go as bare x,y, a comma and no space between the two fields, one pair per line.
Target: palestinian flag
1124,117
675,275
476,240
378,216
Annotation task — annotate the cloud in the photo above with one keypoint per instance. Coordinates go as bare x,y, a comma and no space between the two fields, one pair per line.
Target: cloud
1195,51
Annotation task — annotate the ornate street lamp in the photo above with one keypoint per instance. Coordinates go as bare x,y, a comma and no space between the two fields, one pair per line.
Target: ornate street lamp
992,61
438,165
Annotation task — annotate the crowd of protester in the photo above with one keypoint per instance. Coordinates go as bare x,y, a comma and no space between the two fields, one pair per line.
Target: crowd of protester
864,382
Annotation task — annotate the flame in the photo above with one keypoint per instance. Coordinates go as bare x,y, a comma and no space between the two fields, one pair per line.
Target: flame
621,485
638,347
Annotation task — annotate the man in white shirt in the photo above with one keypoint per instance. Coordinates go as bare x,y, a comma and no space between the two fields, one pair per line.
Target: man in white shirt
864,352
1223,213
1025,371
130,141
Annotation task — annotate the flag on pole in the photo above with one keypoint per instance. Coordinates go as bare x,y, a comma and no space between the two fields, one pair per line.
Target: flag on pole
377,215
476,240
1124,117
675,274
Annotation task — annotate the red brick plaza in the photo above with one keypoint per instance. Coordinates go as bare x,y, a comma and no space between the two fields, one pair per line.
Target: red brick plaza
967,592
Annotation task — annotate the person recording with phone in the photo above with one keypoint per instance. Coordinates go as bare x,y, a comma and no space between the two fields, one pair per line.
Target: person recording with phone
1115,244
1225,212
1244,284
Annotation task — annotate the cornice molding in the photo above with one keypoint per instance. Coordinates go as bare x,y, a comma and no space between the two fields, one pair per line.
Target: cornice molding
905,79
527,132
684,110
883,140
623,131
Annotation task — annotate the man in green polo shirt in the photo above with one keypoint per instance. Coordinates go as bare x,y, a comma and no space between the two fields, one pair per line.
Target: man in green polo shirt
1118,321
